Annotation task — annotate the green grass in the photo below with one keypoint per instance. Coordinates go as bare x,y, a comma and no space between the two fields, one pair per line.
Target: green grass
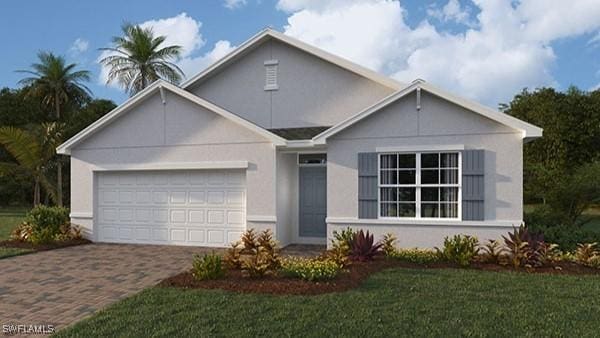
399,302
10,252
10,217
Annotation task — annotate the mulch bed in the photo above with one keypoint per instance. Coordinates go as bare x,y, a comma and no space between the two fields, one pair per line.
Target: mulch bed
42,247
354,275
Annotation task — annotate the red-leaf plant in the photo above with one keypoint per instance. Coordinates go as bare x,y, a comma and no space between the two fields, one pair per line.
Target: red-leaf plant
363,248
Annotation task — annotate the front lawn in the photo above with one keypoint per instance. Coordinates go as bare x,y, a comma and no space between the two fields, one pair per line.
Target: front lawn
10,252
10,217
439,302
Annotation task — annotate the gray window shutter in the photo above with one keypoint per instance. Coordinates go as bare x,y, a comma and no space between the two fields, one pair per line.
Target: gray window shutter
367,185
473,185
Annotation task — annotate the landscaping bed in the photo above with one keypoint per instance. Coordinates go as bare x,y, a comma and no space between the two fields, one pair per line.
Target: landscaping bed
350,278
42,246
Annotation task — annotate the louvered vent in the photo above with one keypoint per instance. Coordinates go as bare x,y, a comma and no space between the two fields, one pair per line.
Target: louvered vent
271,75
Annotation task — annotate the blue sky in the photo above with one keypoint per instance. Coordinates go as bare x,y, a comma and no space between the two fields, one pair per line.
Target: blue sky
483,49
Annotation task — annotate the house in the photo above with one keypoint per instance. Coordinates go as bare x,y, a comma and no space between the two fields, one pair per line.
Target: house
281,135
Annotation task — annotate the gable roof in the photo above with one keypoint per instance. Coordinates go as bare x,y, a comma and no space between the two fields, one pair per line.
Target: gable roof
529,131
157,86
269,33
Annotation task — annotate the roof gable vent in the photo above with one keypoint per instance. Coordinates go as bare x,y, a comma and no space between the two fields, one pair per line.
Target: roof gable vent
271,74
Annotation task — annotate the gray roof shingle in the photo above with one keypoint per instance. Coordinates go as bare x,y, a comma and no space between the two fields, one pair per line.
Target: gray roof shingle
305,133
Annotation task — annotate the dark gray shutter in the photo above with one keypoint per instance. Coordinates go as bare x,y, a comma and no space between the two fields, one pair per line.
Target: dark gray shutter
473,185
367,185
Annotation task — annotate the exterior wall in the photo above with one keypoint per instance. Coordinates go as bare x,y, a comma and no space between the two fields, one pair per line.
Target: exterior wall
438,123
287,197
176,133
312,92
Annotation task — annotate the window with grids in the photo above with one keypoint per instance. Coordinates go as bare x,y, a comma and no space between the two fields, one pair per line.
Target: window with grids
419,185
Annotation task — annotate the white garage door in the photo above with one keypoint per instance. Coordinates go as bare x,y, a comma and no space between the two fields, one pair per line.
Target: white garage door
201,207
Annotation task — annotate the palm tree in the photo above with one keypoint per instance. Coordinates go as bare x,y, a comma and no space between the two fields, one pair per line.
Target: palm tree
56,83
137,59
33,151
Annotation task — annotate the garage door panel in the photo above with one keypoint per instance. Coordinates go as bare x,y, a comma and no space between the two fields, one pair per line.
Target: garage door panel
204,207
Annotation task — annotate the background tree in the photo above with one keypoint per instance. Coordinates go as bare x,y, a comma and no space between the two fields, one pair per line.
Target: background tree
553,164
138,59
56,83
33,151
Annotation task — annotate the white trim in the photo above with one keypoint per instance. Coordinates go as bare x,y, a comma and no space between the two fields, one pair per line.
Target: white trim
66,147
261,218
82,215
269,33
527,130
423,222
423,148
174,166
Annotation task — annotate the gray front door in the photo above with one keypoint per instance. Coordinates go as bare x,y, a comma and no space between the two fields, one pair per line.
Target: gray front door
313,201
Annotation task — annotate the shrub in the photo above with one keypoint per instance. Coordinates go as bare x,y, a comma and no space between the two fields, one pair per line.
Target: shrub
567,237
44,224
585,252
460,249
492,251
363,247
310,269
388,245
256,255
594,262
528,248
417,256
342,241
207,267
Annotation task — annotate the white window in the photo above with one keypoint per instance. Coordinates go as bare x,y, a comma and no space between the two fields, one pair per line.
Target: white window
271,75
419,185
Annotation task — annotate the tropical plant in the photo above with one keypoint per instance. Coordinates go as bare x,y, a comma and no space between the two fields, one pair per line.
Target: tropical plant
388,245
363,247
528,248
139,58
33,151
492,251
585,252
45,224
342,240
56,83
310,269
207,267
256,255
459,249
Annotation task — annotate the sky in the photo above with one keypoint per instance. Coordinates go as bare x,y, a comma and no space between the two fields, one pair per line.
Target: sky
485,50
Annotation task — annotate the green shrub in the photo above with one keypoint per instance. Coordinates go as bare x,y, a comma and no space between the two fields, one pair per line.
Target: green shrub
388,245
567,237
417,256
207,267
310,269
459,249
43,224
342,241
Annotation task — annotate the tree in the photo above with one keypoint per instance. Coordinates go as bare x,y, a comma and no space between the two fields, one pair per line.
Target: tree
33,151
137,59
56,83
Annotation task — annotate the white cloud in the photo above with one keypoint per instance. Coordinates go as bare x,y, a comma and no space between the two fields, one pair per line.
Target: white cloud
451,12
184,31
233,4
79,46
506,49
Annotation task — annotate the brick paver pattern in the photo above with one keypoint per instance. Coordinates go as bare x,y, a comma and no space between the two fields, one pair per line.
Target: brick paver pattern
60,287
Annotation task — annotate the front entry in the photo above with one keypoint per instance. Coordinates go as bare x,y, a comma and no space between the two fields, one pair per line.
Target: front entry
313,201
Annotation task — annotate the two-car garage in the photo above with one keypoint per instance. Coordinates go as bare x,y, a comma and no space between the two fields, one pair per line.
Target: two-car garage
180,207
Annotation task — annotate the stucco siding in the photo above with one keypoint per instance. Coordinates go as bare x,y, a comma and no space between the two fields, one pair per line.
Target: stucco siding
287,193
182,133
438,123
312,92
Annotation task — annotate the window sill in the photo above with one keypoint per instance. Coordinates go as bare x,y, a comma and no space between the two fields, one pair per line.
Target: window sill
424,222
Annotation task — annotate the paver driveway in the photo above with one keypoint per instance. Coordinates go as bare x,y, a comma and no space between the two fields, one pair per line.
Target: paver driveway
62,286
